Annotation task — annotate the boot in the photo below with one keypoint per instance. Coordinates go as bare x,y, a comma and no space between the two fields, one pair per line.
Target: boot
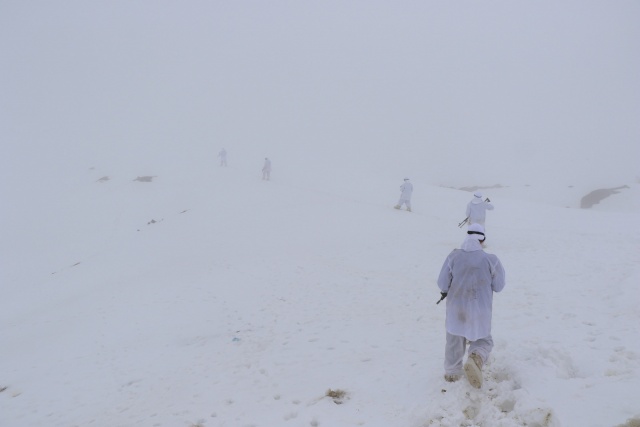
473,370
450,378
408,209
396,207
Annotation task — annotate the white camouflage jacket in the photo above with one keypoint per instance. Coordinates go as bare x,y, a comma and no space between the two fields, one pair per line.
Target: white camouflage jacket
470,276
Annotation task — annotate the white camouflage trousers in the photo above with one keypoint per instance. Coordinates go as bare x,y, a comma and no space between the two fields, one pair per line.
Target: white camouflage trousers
455,349
403,201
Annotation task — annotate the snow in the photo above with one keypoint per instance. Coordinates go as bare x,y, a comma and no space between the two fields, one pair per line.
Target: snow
246,301
144,285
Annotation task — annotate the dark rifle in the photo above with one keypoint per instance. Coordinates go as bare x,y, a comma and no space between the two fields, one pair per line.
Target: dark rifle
444,295
464,221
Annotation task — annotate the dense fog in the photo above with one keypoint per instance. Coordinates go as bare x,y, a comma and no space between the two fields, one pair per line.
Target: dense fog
143,284
450,94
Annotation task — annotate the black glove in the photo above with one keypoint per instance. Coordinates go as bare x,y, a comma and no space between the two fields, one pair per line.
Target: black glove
443,296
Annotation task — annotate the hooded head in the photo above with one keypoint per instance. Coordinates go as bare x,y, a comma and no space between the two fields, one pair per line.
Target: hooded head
477,198
474,239
406,179
476,231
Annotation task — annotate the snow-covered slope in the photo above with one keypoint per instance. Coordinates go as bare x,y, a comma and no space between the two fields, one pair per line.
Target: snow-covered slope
212,298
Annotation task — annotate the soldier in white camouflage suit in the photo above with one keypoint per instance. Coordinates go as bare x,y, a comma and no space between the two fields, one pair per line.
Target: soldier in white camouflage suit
468,279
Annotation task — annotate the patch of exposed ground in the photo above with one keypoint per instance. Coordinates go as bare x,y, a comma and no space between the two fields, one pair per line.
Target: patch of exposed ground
633,422
596,196
480,187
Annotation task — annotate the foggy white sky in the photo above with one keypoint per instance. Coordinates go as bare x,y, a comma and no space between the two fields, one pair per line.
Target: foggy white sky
465,93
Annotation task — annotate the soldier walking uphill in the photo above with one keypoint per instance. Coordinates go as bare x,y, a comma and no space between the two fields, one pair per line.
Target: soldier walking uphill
406,189
477,209
223,157
266,169
467,280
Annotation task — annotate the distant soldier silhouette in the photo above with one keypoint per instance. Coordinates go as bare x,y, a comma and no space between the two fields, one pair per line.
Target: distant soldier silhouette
223,157
405,195
266,169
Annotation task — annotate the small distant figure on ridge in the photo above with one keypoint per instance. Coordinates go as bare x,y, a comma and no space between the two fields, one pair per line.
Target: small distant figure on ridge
266,169
477,209
223,157
405,195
